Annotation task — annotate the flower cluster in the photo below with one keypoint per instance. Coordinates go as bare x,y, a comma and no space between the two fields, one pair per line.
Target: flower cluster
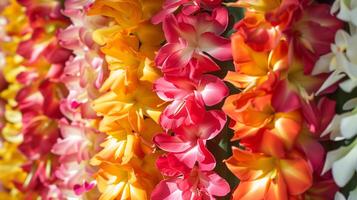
194,40
82,75
276,118
13,25
128,107
341,63
40,95
125,99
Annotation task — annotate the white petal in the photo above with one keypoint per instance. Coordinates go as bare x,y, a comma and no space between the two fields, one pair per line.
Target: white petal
350,104
348,85
334,128
349,126
322,65
333,156
335,7
344,168
339,196
332,79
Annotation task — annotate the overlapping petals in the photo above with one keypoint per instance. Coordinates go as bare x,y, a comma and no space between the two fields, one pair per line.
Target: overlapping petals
189,39
276,119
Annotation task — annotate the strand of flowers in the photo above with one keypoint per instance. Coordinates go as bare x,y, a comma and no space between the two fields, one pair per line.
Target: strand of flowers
40,96
341,62
276,118
82,75
191,34
128,106
13,30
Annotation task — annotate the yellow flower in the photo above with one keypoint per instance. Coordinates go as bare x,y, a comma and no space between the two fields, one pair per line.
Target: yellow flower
131,107
10,164
123,144
128,182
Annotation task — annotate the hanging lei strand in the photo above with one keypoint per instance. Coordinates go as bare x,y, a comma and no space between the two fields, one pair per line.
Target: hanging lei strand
341,63
13,25
128,108
39,97
192,30
276,118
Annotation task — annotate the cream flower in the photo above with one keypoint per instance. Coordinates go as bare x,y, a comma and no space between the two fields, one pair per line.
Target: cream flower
347,10
342,62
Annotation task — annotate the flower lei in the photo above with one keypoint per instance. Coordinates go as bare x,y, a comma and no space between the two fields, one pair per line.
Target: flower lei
126,99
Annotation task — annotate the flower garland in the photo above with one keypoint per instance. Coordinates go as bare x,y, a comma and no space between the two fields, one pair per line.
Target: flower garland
39,97
82,75
128,107
191,34
122,99
276,118
341,62
13,31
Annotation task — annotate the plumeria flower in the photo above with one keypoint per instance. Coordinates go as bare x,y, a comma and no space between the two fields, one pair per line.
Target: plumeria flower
341,62
259,125
134,181
123,144
343,163
278,13
265,177
257,52
190,39
188,98
132,106
341,160
187,184
188,7
347,10
188,143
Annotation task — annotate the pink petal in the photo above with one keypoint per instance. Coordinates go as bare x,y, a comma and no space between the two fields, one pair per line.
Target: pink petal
216,46
284,99
212,89
171,143
167,91
216,186
167,190
211,125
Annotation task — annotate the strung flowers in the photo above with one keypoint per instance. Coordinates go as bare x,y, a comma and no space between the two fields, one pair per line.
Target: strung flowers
341,62
275,118
122,99
191,35
129,108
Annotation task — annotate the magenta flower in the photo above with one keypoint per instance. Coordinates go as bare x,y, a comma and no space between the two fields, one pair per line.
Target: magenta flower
190,39
188,98
188,7
188,144
191,185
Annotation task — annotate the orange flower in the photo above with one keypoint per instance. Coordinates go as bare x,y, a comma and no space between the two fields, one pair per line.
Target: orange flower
258,50
269,178
259,126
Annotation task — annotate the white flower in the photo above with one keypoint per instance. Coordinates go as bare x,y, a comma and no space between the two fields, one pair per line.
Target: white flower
351,196
347,10
343,126
342,62
343,162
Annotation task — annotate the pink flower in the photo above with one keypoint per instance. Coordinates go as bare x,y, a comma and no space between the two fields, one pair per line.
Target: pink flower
188,143
305,33
188,98
188,7
190,39
192,185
